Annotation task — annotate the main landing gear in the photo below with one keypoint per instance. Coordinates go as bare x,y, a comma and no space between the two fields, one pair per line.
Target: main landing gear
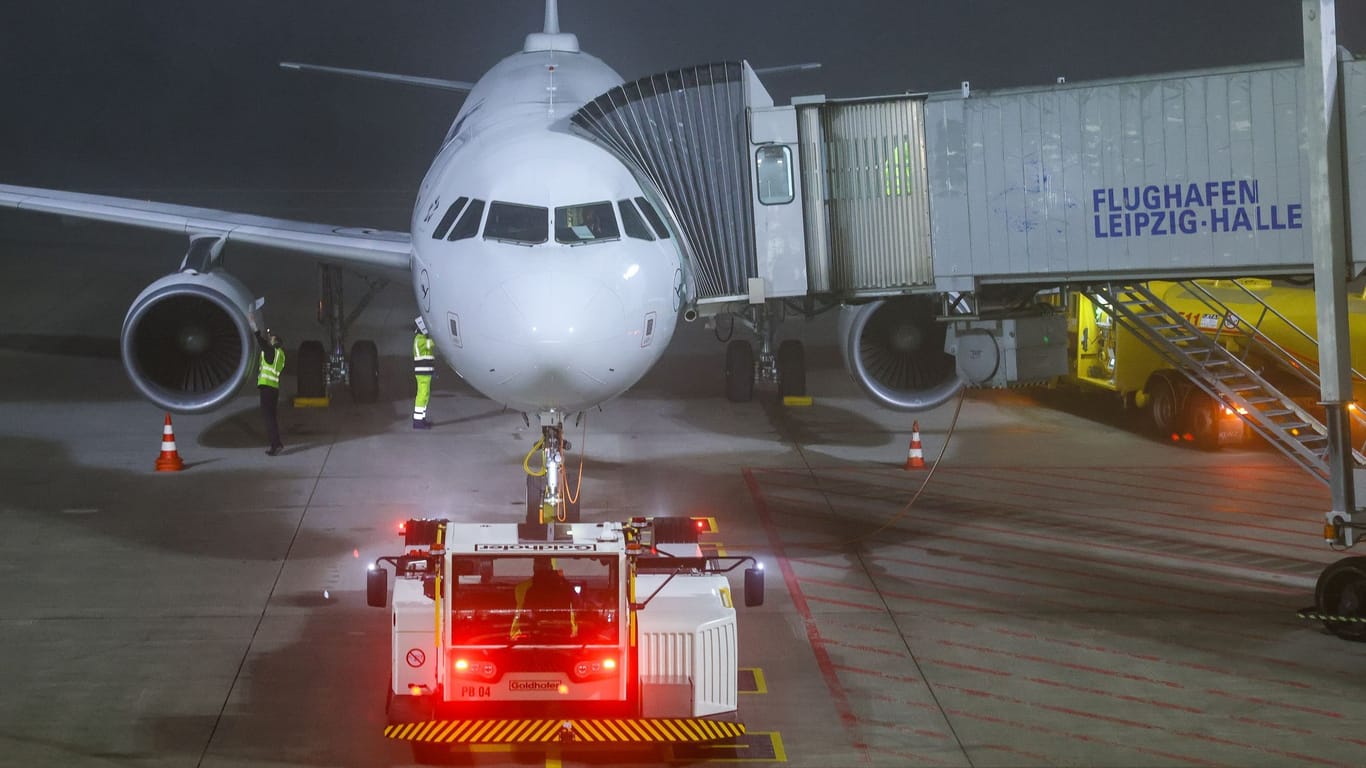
318,370
785,370
551,495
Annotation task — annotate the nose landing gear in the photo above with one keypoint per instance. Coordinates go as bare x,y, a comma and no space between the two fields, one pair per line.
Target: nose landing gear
549,495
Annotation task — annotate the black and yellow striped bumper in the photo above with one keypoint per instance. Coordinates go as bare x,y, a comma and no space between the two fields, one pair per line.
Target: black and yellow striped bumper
612,731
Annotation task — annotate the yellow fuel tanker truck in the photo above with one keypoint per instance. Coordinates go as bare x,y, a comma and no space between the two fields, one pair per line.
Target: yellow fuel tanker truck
1271,325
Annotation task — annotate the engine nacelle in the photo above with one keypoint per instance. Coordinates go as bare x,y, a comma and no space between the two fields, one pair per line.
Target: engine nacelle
894,349
186,342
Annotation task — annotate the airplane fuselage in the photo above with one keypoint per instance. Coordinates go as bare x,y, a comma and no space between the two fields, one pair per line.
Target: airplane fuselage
536,264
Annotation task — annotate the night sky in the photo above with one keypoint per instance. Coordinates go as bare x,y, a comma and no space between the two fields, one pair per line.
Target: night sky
121,94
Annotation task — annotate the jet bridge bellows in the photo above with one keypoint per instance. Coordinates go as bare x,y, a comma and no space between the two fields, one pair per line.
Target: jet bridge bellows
685,131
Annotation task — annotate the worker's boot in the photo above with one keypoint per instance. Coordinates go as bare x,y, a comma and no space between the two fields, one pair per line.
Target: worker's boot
421,424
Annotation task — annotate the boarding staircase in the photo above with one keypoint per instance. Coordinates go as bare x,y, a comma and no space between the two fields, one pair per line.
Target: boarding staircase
1223,375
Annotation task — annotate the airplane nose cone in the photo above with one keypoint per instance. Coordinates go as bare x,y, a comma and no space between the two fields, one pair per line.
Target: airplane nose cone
562,310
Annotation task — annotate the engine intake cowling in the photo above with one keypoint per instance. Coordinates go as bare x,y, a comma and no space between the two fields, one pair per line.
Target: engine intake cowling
894,349
186,342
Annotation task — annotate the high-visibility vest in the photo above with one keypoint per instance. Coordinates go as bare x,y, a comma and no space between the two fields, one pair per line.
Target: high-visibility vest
424,357
270,372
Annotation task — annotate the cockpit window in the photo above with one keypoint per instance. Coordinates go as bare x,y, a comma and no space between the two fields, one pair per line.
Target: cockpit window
631,221
448,219
468,225
513,223
587,223
656,221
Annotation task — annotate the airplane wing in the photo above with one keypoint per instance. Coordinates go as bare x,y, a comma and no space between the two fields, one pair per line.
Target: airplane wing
359,247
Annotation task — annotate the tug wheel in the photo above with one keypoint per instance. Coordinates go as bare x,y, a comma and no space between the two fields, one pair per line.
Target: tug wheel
1341,591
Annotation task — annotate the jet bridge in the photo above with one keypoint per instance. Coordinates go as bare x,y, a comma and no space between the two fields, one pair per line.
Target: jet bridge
931,220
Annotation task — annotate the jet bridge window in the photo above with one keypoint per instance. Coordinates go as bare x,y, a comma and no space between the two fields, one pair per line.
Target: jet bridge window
586,223
513,223
773,172
656,221
632,222
468,225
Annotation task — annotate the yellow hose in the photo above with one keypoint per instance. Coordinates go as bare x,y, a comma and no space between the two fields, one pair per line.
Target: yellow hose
526,463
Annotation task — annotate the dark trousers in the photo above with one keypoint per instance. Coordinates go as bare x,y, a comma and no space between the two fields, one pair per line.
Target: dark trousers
270,401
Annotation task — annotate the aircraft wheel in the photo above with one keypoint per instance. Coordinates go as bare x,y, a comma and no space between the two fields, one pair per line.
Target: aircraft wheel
1163,405
739,371
1341,591
364,372
791,369
311,371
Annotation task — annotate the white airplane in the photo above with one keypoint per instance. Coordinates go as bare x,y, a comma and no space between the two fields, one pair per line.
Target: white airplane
547,276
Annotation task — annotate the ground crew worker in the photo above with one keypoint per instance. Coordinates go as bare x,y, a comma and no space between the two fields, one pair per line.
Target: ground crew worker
424,365
272,364
547,600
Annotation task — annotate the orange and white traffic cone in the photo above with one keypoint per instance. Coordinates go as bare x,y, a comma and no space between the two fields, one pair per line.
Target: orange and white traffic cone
915,458
169,460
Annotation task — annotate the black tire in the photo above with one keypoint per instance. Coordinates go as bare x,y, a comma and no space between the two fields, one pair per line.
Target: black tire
1164,405
364,372
535,489
311,371
1202,420
791,369
739,371
426,753
1341,591
675,530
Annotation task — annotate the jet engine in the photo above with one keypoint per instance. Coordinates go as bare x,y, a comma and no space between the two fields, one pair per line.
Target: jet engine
894,349
186,342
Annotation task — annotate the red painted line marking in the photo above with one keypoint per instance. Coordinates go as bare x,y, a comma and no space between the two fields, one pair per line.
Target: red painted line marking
966,667
1033,756
1130,655
903,727
1265,750
845,603
832,682
1272,703
920,598
1042,729
1279,726
1016,533
1054,587
912,758
1054,708
900,654
1060,663
876,673
1108,694
1130,517
1147,486
977,549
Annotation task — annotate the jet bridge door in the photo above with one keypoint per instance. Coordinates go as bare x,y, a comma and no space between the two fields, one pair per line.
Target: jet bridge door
731,190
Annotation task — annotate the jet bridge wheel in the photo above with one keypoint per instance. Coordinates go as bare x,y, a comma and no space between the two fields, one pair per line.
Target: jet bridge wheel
311,371
791,369
739,371
364,372
1341,591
